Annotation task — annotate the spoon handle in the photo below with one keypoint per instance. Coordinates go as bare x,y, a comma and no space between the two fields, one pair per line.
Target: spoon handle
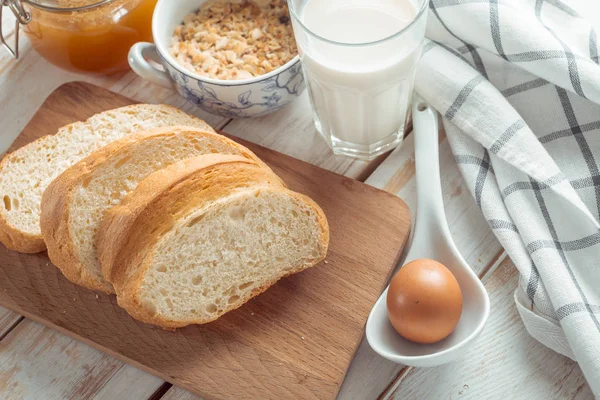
431,218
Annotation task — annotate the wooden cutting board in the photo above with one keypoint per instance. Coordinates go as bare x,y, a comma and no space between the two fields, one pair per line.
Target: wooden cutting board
295,341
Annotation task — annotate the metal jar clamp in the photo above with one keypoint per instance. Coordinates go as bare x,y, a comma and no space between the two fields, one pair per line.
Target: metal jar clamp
22,17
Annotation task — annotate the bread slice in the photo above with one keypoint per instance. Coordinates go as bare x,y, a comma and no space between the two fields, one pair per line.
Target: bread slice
74,203
203,236
25,173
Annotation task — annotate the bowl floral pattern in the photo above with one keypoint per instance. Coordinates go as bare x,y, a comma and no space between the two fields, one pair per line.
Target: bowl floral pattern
233,100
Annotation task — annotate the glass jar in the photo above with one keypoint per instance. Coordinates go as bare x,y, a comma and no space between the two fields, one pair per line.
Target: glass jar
84,35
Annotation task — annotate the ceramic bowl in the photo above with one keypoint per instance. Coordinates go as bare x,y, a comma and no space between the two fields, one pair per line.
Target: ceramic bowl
232,99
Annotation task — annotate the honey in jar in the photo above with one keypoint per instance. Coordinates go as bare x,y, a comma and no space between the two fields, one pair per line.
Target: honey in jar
88,35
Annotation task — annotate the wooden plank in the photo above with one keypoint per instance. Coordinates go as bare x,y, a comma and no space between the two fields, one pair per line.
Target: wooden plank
324,308
8,320
177,393
369,374
32,366
506,361
128,382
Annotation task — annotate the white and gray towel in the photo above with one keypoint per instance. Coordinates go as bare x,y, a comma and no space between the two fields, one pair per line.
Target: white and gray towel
518,85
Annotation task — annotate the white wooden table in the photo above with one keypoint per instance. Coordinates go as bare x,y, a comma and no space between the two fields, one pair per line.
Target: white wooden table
38,363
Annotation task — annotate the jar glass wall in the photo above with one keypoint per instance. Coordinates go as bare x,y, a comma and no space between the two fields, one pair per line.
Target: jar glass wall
88,36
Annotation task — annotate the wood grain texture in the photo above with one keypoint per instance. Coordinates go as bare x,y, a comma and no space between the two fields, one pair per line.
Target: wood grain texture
295,341
8,320
505,363
369,374
176,393
32,367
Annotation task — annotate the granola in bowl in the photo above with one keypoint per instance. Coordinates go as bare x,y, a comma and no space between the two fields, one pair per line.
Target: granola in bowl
235,39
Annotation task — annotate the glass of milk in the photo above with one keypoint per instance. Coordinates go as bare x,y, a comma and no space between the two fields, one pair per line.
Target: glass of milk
359,58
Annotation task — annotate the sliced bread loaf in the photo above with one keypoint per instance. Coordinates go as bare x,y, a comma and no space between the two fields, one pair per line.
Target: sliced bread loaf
203,236
25,173
74,203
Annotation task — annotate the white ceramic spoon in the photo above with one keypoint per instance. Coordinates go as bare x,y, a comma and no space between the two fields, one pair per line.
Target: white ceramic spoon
431,239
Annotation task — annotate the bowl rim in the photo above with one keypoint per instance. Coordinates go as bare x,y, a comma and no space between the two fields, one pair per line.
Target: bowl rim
169,59
223,82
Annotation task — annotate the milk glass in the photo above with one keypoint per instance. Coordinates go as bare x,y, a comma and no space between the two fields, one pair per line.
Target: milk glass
360,83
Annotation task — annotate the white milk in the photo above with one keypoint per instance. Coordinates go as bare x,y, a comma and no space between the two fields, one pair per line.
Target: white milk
360,92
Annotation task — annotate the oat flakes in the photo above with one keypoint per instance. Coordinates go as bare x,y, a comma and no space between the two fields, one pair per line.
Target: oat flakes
235,39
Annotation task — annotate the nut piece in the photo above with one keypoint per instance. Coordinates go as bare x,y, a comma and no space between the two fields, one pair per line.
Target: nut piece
235,39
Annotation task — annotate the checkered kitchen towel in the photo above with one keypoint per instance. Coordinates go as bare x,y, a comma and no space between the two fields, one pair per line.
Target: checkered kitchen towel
518,84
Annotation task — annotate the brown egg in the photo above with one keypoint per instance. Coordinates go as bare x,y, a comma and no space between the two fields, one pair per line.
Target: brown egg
424,301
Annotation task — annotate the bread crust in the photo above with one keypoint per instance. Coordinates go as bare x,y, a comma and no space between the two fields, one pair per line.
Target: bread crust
55,214
129,230
10,236
18,240
26,242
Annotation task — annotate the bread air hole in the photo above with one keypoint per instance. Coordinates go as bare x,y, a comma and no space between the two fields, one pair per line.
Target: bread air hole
86,182
246,285
197,280
211,308
169,303
161,268
237,214
195,221
233,299
150,307
122,161
229,291
7,204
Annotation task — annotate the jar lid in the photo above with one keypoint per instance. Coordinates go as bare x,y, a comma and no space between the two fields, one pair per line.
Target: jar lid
66,5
